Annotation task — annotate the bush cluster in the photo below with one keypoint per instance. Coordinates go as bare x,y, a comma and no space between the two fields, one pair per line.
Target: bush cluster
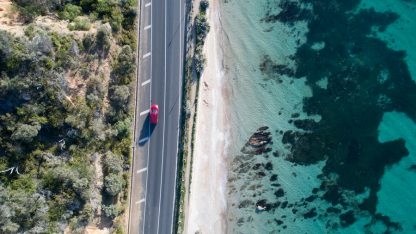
53,140
201,30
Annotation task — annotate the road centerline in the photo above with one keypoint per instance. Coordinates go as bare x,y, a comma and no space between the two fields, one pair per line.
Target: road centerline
164,124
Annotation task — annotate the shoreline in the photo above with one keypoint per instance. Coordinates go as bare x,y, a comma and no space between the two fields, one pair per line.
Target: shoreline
207,202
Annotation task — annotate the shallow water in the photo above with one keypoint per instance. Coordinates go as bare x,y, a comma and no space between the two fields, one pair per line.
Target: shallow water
334,82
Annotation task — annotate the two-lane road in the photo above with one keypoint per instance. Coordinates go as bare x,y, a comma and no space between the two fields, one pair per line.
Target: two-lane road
160,72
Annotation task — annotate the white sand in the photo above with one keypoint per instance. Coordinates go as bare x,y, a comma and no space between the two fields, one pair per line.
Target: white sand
207,203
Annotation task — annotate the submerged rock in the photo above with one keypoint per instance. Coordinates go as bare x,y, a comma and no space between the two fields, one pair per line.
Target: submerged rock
257,143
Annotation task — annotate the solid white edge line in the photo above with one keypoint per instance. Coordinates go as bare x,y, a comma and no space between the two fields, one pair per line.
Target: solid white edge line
163,135
148,4
144,112
146,82
179,111
139,8
142,170
144,140
148,145
147,55
147,27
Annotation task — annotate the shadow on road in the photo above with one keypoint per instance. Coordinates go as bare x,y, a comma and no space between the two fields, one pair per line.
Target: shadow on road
145,132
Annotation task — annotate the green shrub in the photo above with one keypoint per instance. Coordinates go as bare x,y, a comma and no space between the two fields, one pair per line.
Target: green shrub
88,42
113,184
30,31
70,12
116,19
201,27
111,211
203,6
113,163
103,43
80,24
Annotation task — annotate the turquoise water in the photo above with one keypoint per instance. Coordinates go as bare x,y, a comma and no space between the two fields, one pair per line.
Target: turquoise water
334,83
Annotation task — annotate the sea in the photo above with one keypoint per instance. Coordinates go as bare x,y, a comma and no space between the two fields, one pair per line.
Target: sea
322,97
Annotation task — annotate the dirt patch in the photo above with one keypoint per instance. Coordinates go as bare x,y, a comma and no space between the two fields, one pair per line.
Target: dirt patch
9,18
9,21
53,24
96,230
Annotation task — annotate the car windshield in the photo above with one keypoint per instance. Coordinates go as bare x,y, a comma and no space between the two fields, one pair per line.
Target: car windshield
154,110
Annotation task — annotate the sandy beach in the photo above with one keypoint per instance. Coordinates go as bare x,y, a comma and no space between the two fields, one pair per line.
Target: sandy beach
207,203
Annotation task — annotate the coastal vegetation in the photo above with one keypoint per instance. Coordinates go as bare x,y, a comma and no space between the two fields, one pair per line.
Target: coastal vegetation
201,30
195,61
65,117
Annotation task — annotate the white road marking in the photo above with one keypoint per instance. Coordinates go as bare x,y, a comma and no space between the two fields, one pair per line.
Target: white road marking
142,170
151,76
144,112
141,201
143,140
147,55
147,27
148,4
146,82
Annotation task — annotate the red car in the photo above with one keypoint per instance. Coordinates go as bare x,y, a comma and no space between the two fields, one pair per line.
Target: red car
154,113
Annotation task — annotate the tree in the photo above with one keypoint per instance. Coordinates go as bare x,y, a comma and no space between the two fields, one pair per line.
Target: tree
203,6
111,211
113,184
17,206
112,163
102,40
202,27
70,12
25,132
123,127
95,92
124,69
120,95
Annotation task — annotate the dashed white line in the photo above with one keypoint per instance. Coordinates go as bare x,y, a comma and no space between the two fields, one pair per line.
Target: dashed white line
142,170
147,55
147,27
143,140
148,127
141,201
144,112
146,82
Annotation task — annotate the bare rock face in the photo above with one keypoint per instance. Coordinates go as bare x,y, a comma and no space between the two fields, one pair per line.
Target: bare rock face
258,142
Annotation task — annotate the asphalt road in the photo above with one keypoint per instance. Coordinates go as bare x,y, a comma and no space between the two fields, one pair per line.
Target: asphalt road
152,198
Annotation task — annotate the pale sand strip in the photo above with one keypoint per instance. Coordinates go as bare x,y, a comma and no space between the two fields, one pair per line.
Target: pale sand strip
207,203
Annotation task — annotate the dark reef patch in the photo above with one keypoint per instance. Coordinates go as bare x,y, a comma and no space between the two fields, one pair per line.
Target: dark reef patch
351,107
291,12
412,168
279,193
347,218
310,214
